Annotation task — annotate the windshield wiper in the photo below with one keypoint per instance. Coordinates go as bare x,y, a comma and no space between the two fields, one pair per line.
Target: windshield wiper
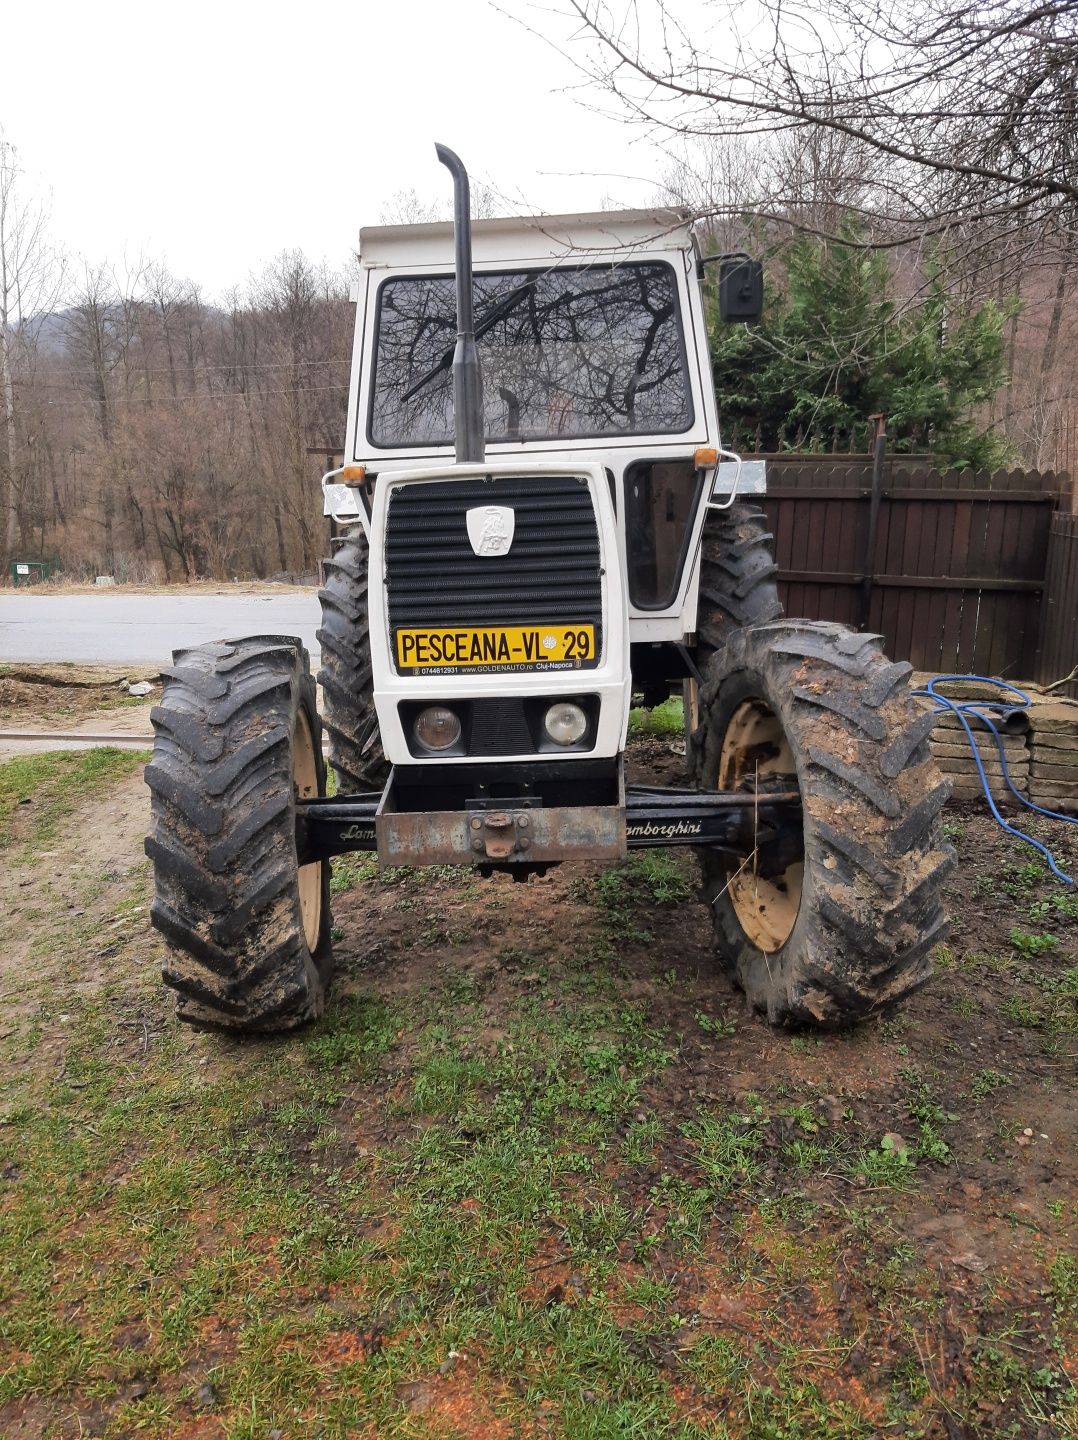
485,322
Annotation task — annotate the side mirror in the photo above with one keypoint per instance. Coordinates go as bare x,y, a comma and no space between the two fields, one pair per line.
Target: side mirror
741,291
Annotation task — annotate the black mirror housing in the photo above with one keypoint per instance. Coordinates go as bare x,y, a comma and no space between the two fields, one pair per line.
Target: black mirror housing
741,291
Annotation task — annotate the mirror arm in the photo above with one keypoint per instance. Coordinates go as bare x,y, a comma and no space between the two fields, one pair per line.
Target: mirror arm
705,260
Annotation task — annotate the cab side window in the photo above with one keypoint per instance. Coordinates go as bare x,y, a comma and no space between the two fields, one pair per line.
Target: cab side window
660,502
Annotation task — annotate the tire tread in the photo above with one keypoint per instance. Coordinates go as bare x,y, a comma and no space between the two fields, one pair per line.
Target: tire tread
875,860
226,896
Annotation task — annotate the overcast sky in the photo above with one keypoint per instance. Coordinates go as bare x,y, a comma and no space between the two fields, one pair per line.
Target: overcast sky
214,135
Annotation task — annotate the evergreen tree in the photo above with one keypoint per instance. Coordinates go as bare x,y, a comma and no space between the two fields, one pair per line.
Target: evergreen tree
835,348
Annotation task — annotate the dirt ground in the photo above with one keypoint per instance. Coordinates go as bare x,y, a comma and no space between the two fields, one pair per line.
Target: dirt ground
36,697
537,1172
74,700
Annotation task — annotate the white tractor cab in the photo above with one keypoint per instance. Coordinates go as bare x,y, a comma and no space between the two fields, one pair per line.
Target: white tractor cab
540,522
599,432
592,340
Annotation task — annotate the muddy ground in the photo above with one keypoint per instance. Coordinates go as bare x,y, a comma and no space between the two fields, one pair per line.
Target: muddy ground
38,697
537,1172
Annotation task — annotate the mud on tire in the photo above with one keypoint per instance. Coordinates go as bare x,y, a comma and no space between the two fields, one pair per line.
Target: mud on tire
236,738
355,747
738,575
738,587
854,931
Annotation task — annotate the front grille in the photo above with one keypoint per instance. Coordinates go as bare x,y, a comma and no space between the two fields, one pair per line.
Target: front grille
499,727
551,573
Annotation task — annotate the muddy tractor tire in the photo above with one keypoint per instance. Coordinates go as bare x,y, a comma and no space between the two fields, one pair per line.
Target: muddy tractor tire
355,747
848,930
738,575
237,741
738,588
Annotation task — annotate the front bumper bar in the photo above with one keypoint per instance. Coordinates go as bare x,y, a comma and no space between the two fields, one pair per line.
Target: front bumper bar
521,832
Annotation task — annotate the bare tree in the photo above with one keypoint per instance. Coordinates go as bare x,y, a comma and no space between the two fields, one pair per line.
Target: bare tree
964,114
405,207
30,278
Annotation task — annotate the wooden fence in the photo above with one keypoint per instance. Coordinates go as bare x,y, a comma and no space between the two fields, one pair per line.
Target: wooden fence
1059,613
959,571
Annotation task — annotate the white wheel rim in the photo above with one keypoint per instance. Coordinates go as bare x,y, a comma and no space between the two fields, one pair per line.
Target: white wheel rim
305,782
754,747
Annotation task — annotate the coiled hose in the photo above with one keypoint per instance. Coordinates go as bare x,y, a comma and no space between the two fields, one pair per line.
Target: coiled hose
988,713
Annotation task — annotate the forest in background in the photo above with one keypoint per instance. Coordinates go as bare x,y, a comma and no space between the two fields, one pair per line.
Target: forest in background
916,224
162,437
159,437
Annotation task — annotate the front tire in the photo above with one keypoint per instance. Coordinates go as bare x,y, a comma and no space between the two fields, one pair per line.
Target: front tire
738,588
346,677
849,930
738,576
237,741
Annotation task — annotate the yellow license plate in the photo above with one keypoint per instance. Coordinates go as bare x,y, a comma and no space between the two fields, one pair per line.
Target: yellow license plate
524,647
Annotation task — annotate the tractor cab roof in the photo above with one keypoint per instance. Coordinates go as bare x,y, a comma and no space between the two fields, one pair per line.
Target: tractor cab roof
547,239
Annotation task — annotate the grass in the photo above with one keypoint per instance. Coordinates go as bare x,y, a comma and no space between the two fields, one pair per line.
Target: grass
930,1118
666,720
986,1082
1033,946
48,787
647,877
1063,904
516,1171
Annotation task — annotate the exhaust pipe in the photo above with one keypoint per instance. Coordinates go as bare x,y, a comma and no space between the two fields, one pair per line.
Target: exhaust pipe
468,428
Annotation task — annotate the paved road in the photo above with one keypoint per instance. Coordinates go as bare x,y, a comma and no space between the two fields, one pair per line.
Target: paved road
143,629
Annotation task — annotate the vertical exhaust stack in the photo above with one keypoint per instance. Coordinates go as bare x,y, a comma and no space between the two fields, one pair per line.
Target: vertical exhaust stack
469,430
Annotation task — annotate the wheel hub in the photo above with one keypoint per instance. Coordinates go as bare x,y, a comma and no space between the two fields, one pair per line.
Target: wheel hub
305,783
756,755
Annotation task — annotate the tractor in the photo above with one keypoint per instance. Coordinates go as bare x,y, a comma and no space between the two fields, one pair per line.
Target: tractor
537,523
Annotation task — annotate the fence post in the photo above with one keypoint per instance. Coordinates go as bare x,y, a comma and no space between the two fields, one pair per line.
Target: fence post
869,568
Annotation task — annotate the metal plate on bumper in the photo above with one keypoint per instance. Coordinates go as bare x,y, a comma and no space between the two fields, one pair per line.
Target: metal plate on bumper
505,836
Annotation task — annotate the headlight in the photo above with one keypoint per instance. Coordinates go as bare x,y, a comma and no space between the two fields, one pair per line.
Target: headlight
437,728
565,723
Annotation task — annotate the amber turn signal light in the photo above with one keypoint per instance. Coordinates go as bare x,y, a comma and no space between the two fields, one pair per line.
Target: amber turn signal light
705,456
354,474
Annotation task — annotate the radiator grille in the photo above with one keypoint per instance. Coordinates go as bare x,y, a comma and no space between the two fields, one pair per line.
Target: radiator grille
499,727
551,573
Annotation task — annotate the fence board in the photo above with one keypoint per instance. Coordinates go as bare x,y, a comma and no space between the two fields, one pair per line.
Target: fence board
950,647
1059,620
948,606
992,635
960,569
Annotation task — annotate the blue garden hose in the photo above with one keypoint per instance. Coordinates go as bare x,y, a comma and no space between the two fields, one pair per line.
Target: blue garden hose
983,712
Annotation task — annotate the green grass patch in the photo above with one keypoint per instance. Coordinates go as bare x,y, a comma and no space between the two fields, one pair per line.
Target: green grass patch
525,1165
986,1082
1033,946
646,878
667,719
353,1035
49,786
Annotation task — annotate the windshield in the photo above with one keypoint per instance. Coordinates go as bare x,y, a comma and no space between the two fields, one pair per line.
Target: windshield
566,354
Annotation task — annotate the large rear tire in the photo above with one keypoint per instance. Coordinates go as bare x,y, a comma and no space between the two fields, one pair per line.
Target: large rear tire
850,930
237,740
346,678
